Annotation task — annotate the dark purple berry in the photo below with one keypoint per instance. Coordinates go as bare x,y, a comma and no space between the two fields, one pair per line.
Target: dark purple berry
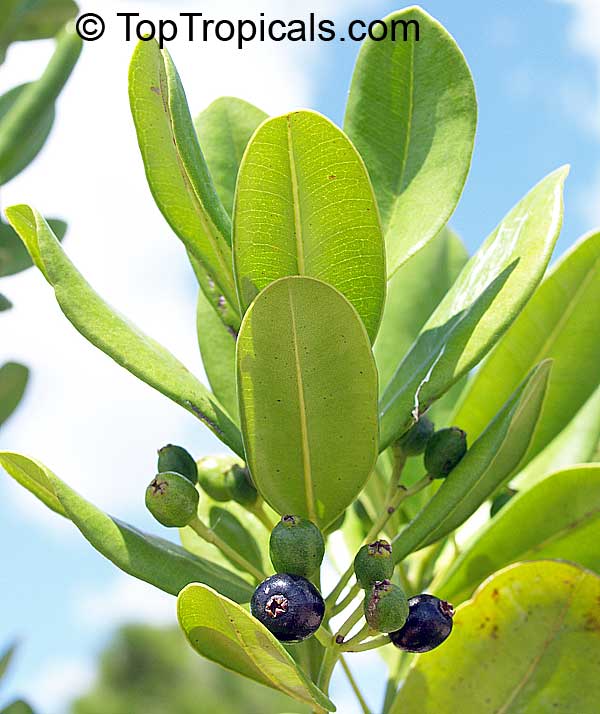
428,624
289,606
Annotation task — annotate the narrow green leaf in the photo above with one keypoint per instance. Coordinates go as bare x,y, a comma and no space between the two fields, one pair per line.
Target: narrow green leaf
32,20
26,114
307,386
488,463
225,633
412,114
156,561
529,641
577,443
13,254
217,347
6,658
304,206
175,166
5,303
559,323
486,298
113,334
558,518
224,129
13,381
412,295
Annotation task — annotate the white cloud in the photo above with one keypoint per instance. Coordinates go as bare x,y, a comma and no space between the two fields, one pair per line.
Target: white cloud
57,684
124,600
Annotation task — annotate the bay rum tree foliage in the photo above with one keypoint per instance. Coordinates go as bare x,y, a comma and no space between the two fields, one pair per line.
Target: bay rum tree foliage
340,322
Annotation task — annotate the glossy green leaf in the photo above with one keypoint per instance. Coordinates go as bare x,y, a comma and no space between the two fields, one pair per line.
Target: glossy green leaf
307,386
412,295
412,114
486,298
225,633
32,20
577,443
528,643
558,518
237,527
304,206
175,166
113,334
13,162
217,347
156,561
488,463
560,323
27,112
13,381
13,254
224,129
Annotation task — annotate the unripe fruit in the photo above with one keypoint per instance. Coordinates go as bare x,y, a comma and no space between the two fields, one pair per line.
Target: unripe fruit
416,438
374,562
296,546
444,450
289,606
172,500
211,476
177,459
386,607
241,488
428,624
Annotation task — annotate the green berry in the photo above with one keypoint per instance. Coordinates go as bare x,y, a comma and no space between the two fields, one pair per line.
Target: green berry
415,440
296,546
373,562
211,476
444,450
177,459
241,488
386,607
172,500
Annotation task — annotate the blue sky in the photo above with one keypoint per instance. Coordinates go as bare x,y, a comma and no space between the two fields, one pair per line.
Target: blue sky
536,71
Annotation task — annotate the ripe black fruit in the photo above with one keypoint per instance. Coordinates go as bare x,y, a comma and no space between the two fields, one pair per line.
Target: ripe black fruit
428,624
289,606
444,450
296,546
416,438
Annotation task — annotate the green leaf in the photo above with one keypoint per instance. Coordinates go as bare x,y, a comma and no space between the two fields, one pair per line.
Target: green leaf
304,206
488,295
175,167
27,112
225,633
577,443
13,254
412,114
18,707
217,347
32,20
237,527
23,153
558,323
488,463
5,303
6,658
307,386
224,129
558,518
156,561
113,334
412,295
13,381
529,641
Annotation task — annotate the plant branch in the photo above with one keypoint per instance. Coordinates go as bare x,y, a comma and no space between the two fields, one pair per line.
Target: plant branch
211,537
370,644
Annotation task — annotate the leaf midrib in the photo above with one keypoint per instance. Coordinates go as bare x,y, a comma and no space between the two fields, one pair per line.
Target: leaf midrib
295,198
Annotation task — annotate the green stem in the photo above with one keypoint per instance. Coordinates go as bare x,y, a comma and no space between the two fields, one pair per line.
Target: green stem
357,639
343,604
354,685
327,666
370,644
258,510
210,536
